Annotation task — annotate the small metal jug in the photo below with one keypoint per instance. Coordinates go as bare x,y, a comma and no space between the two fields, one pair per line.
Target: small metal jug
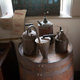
28,40
61,42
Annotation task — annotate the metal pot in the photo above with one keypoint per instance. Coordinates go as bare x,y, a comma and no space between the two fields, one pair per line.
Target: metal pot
61,42
43,45
45,27
28,40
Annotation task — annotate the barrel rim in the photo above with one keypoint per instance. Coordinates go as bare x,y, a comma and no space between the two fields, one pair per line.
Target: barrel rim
65,58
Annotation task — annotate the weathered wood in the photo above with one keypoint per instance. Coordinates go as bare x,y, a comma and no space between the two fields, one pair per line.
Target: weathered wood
56,67
9,39
1,75
8,62
6,48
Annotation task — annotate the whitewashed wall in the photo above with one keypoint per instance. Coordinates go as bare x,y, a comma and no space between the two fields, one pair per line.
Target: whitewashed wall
76,8
71,7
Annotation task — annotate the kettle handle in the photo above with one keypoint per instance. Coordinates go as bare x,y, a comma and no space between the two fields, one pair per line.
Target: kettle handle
35,30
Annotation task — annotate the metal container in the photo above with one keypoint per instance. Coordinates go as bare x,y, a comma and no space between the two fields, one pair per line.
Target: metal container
45,27
28,40
61,42
43,45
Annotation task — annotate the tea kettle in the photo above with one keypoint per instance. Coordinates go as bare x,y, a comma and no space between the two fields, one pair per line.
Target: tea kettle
28,40
45,27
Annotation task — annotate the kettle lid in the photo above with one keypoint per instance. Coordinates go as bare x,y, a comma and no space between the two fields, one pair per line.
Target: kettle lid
46,24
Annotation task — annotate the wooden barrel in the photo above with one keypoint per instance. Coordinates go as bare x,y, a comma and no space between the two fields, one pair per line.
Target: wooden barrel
56,67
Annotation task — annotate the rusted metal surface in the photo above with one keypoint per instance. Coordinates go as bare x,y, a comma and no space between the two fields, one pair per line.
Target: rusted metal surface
45,30
45,27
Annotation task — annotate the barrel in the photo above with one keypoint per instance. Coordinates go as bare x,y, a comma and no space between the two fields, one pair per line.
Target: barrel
56,67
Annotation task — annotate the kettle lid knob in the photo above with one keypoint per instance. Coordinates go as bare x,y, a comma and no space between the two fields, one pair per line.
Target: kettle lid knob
45,19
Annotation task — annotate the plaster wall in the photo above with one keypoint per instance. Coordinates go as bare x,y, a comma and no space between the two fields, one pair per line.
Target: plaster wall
76,8
71,7
0,12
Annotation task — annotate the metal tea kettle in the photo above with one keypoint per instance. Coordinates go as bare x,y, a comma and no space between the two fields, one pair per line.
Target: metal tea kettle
28,40
45,27
61,42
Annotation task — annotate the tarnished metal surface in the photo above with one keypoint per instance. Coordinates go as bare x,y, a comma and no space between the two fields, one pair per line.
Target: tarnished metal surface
28,40
61,42
43,46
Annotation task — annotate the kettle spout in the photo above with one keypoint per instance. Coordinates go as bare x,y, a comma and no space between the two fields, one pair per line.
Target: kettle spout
39,23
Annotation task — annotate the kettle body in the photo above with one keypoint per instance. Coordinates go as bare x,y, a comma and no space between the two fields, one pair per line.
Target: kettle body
28,40
61,43
45,27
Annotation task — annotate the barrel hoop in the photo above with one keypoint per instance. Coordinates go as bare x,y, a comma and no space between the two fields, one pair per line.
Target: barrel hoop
50,73
59,63
59,67
46,65
44,69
